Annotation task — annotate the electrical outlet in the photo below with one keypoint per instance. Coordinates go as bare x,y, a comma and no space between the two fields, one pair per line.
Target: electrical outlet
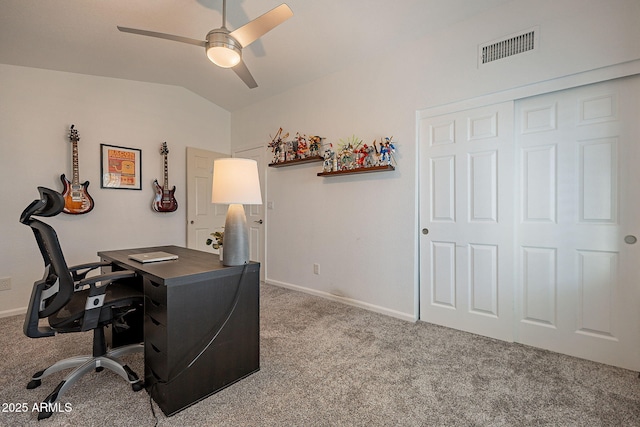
316,269
5,283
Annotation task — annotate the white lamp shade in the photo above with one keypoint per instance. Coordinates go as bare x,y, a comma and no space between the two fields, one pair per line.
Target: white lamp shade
236,180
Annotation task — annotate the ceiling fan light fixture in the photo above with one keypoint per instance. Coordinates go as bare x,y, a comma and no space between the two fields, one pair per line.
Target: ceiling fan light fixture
223,56
222,49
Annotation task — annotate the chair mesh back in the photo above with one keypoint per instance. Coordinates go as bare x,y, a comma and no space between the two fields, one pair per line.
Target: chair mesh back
51,203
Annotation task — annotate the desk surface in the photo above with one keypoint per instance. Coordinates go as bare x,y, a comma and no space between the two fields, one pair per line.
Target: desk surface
192,265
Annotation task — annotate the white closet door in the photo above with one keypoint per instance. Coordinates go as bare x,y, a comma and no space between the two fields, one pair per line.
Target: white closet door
578,279
466,217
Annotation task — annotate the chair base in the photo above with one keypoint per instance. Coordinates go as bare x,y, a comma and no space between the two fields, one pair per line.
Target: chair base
82,365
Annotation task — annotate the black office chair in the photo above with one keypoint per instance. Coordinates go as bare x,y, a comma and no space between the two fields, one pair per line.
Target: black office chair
73,302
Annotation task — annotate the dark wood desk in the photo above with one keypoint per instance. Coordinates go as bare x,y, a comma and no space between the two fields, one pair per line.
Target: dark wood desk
190,303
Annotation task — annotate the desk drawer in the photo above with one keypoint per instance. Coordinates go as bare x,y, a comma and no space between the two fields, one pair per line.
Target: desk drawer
155,346
154,329
155,332
155,291
155,310
155,357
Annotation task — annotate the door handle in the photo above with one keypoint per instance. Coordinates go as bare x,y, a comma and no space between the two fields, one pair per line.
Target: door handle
259,221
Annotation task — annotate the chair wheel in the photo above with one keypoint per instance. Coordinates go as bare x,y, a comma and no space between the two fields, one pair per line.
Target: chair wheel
137,386
44,414
33,384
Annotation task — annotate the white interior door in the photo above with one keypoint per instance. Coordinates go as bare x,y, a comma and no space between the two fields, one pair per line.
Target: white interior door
203,217
466,217
255,213
578,278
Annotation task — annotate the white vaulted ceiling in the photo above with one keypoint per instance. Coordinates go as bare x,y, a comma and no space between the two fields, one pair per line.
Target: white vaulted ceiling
80,36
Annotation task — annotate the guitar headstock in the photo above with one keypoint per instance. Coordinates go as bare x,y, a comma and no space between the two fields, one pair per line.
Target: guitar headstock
73,134
164,149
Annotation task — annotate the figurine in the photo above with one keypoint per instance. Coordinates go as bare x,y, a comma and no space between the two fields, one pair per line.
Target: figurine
302,148
293,149
369,158
278,146
346,157
361,155
386,151
329,164
314,145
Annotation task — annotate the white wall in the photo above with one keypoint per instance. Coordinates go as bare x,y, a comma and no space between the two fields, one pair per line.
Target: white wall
362,229
36,109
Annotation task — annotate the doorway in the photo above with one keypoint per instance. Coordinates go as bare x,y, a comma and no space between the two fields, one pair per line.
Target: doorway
203,217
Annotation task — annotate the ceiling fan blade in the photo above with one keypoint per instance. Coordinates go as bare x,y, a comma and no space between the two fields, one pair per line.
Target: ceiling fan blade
243,72
180,39
255,29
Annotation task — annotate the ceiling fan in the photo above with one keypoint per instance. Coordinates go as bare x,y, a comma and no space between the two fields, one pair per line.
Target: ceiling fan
224,48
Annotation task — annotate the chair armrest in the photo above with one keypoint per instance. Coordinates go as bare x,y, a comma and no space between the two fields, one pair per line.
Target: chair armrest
88,266
105,280
98,287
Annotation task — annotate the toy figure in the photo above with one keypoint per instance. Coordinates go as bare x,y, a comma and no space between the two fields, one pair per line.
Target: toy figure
369,159
293,149
377,153
314,145
303,148
361,155
346,157
386,151
329,160
276,145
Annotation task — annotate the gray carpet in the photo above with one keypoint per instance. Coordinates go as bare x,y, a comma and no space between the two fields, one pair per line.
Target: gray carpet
327,364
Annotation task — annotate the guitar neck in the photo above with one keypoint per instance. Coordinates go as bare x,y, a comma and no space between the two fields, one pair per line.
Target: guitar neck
166,173
76,173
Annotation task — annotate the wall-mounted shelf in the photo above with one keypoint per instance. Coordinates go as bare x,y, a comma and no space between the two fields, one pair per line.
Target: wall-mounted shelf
296,162
358,170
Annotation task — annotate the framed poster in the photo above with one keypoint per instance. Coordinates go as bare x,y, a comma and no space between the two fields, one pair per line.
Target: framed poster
120,167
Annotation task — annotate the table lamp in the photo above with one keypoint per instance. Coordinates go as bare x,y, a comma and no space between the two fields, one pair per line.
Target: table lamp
236,182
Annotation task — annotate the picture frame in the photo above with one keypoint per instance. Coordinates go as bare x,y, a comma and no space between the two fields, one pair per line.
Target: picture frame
120,167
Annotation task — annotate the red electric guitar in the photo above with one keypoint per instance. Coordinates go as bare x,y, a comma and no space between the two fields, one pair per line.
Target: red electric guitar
76,198
164,201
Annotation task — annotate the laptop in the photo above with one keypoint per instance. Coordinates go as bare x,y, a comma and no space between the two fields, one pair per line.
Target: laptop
153,257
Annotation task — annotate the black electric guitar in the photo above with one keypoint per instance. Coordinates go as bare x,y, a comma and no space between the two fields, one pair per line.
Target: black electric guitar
76,198
164,201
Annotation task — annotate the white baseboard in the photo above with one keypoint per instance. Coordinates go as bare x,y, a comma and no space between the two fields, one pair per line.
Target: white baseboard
14,312
360,304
